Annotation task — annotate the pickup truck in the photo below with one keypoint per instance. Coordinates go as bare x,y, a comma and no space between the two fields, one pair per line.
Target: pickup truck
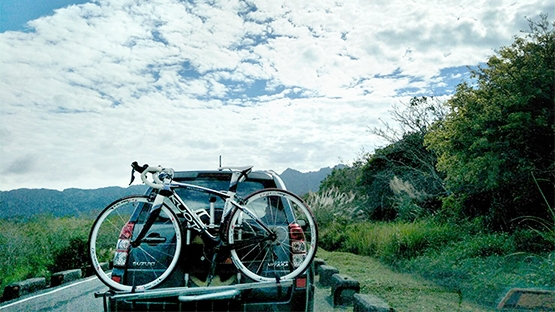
187,288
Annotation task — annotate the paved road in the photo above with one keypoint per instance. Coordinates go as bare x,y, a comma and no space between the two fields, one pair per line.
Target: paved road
79,296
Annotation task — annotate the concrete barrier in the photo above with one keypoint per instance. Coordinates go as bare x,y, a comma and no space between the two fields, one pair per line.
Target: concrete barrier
318,262
528,299
65,277
370,303
18,289
326,272
89,271
343,288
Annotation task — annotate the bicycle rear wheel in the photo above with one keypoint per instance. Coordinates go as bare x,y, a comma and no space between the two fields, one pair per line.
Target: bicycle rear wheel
287,251
123,267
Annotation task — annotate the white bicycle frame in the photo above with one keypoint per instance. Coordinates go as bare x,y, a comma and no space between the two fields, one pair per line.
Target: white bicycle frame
166,195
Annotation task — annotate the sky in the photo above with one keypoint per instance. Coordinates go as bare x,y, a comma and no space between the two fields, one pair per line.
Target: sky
87,87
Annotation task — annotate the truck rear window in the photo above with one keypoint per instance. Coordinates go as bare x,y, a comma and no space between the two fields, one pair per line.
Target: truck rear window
199,200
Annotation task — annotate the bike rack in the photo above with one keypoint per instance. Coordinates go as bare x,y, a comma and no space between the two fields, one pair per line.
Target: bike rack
188,294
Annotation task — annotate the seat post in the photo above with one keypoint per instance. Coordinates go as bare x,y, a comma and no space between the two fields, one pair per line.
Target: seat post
238,175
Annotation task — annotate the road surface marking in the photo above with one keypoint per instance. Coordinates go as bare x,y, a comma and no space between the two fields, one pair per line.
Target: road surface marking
48,293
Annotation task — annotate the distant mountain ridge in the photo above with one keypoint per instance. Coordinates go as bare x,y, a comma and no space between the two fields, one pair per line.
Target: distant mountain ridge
301,183
25,203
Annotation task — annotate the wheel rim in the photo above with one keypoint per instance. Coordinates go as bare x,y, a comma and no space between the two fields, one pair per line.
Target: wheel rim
273,259
147,265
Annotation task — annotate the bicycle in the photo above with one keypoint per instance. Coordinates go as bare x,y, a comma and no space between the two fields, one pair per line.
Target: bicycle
257,231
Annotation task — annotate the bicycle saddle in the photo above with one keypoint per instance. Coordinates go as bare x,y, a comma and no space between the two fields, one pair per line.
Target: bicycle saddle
243,169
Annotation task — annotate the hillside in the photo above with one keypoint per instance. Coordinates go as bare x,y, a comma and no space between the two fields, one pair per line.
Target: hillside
24,203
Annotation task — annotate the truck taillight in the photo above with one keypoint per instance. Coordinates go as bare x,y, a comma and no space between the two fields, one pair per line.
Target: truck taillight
127,231
298,244
120,258
123,245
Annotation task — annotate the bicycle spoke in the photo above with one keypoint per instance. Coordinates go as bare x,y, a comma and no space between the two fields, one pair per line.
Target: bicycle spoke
116,227
261,263
144,266
290,248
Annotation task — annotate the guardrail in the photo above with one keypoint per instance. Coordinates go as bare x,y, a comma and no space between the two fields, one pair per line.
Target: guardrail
18,289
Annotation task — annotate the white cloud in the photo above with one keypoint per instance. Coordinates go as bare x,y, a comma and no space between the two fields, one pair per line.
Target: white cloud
275,84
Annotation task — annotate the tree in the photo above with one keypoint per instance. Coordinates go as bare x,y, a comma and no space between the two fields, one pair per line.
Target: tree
404,162
414,121
501,131
407,161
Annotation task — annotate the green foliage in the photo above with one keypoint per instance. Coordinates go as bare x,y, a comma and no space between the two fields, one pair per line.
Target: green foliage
332,236
35,247
464,258
375,178
483,279
333,210
408,201
343,179
495,150
72,256
502,129
408,163
394,241
544,227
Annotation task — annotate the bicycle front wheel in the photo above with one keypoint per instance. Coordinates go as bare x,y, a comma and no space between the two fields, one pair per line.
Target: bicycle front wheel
122,266
283,253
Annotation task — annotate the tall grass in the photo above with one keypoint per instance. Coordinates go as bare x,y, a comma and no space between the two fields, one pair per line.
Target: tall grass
333,210
462,257
544,227
332,206
39,246
480,266
394,241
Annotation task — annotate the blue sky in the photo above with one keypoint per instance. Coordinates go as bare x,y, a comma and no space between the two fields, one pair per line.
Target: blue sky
88,87
16,13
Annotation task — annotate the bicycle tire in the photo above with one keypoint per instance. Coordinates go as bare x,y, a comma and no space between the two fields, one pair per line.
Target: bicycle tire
126,268
292,249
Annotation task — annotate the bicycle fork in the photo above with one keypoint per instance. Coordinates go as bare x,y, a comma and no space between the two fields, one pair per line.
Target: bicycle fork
152,216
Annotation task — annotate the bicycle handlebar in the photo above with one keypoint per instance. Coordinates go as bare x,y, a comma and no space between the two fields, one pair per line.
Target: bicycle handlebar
146,169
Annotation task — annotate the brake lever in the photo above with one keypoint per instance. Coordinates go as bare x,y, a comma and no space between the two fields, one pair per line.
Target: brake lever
135,167
132,176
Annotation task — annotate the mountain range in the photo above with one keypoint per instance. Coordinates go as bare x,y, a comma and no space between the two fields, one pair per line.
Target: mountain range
301,183
25,203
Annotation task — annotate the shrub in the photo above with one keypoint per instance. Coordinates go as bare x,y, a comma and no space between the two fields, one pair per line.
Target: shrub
72,256
528,240
333,236
406,200
34,247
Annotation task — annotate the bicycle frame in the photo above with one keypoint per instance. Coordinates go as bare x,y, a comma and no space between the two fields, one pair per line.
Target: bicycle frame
168,195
